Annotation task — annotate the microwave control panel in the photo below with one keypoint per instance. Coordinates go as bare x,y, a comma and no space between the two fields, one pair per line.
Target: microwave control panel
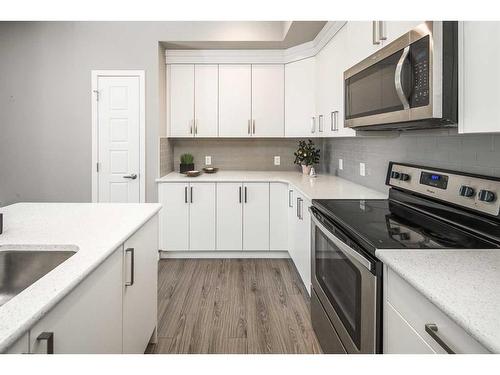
419,56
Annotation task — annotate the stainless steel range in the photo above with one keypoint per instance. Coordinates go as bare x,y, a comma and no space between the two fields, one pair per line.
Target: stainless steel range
427,208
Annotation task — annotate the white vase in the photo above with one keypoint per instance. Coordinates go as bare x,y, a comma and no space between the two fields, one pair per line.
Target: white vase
306,169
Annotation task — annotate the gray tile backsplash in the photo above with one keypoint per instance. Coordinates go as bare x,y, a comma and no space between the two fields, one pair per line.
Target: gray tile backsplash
238,154
445,149
166,156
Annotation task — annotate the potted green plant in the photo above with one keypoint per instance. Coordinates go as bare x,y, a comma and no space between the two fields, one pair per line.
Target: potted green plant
187,163
307,155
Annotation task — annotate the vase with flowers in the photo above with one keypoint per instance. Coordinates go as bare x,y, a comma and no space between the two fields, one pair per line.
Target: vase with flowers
306,156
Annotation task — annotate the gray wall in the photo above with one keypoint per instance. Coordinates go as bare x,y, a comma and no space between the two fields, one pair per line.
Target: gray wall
470,153
238,154
45,96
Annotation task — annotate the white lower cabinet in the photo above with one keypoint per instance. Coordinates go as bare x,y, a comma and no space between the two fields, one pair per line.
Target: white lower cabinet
278,216
21,346
89,319
202,216
300,235
256,216
140,287
229,216
412,324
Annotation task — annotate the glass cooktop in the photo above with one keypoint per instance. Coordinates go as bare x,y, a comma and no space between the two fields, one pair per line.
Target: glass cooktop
386,224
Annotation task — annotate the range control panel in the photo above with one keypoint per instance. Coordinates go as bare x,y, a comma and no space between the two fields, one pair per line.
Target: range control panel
475,192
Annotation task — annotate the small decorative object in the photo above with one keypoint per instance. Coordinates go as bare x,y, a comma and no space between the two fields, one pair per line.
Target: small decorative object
193,173
210,169
307,155
313,173
186,163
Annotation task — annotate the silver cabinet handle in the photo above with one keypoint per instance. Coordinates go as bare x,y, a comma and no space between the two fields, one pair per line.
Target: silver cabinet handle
334,121
432,330
313,124
253,126
191,194
398,77
382,30
290,198
375,33
49,337
191,126
132,266
239,193
320,123
132,176
246,195
185,194
249,126
195,121
300,208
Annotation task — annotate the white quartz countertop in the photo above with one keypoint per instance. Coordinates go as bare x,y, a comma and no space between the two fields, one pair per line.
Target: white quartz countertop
320,187
464,284
94,230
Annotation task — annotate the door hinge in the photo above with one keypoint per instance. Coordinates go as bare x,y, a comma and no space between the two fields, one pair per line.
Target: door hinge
96,94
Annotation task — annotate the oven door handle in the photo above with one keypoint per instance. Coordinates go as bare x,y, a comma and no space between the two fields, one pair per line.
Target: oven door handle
398,77
346,249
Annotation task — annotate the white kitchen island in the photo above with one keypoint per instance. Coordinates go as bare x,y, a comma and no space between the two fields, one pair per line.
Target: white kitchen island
100,300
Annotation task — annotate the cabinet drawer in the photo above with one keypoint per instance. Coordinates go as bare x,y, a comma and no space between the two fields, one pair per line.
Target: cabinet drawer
419,311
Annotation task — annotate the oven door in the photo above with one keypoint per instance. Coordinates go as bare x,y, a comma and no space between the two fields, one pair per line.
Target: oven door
345,285
392,86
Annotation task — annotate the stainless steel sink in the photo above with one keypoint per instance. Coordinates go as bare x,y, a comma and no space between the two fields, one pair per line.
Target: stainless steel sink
21,267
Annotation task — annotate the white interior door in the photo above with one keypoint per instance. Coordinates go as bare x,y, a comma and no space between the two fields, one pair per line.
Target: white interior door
229,216
256,216
206,95
202,216
268,100
234,100
118,134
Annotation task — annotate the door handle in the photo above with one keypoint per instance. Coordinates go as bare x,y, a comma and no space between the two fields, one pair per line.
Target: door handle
375,33
49,337
190,126
132,266
249,126
398,76
313,124
245,194
290,199
300,208
239,193
253,126
191,194
382,31
132,176
195,126
297,213
334,117
185,194
320,123
432,330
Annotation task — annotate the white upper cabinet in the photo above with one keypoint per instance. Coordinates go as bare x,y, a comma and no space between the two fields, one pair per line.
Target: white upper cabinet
361,40
268,91
479,77
181,100
299,97
391,30
206,95
235,113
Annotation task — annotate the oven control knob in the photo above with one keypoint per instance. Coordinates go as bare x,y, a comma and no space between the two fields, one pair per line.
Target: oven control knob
395,174
486,196
466,191
404,177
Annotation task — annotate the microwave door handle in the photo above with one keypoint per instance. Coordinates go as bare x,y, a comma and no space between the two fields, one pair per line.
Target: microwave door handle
398,77
343,247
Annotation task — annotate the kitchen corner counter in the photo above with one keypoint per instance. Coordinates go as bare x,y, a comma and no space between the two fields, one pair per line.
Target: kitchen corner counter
94,230
464,284
320,187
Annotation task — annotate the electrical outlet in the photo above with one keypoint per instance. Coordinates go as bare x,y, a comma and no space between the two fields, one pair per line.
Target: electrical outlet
362,169
208,160
277,160
341,164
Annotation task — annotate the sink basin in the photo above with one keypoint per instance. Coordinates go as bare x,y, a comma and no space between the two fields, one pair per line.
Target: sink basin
21,267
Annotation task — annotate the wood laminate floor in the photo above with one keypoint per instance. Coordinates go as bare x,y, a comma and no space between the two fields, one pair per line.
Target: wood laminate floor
232,306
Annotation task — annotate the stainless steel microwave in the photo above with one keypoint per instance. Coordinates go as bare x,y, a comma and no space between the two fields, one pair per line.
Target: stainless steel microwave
410,83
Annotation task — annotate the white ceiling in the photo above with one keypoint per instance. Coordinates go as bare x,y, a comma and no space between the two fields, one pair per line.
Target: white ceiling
251,35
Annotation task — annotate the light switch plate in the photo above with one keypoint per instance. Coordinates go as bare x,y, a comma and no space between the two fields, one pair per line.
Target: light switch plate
341,164
277,160
208,160
362,169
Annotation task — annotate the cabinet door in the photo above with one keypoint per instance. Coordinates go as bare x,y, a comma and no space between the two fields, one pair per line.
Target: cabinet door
268,100
229,216
202,216
302,240
394,29
292,218
299,97
256,216
234,100
278,216
89,319
360,41
181,100
140,277
21,346
174,216
479,80
400,337
206,94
